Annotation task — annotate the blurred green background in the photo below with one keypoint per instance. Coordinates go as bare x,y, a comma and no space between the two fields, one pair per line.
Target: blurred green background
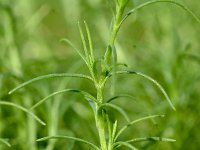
160,40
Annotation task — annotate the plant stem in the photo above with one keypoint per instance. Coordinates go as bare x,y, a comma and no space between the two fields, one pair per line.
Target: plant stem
100,123
100,119
101,130
117,21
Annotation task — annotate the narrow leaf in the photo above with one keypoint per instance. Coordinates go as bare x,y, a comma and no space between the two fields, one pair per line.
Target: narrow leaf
152,80
50,76
89,40
109,126
83,42
120,143
74,47
108,55
5,142
136,121
23,109
70,138
151,139
160,1
114,130
60,92
120,96
119,109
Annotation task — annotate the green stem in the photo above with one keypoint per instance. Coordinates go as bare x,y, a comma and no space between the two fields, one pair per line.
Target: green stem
100,123
117,21
100,120
101,129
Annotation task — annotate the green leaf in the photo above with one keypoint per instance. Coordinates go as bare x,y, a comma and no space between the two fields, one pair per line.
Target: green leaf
119,109
94,69
83,42
50,76
120,143
160,1
5,142
108,56
152,80
74,47
23,109
120,96
90,41
109,127
151,139
70,138
135,121
114,130
63,91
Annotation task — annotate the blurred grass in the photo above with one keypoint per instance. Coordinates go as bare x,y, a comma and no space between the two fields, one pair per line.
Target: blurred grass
160,40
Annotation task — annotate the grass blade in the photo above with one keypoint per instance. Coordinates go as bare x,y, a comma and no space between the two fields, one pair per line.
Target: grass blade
74,47
89,40
5,142
119,109
63,91
160,1
114,130
83,42
70,138
152,80
109,128
120,143
151,139
135,121
50,76
23,109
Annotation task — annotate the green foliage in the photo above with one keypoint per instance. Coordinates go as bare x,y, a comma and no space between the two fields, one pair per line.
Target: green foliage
111,116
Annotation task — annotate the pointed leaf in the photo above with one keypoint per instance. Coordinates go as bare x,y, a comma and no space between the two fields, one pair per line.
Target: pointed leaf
5,142
23,109
50,76
135,121
120,143
74,47
60,92
83,42
120,96
151,139
152,80
114,130
89,40
108,56
70,138
160,1
119,109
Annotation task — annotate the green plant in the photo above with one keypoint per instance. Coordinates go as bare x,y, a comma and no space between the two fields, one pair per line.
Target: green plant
99,75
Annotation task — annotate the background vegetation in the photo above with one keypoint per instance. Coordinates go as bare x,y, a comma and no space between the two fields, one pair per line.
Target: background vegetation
161,40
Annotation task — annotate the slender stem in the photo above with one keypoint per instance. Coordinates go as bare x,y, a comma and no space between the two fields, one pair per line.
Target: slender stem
117,21
100,119
101,130
100,123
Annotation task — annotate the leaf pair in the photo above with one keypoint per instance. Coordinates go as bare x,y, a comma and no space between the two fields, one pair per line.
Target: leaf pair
88,53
